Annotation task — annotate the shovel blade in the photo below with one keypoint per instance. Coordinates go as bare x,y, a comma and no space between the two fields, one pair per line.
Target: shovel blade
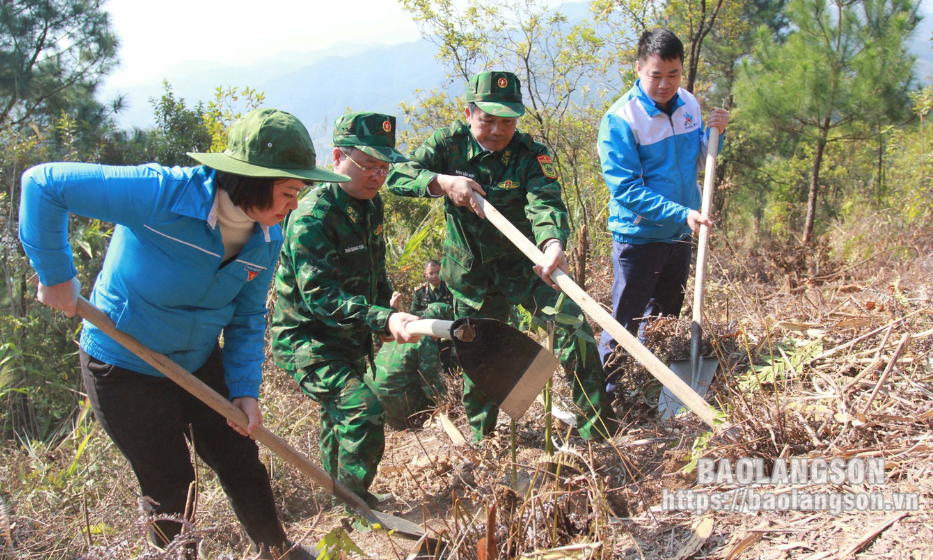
505,364
668,404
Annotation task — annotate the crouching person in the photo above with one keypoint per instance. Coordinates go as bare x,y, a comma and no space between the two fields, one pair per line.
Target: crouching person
408,376
334,296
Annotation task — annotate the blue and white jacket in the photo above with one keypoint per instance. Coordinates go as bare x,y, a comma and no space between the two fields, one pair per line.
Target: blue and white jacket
650,162
161,281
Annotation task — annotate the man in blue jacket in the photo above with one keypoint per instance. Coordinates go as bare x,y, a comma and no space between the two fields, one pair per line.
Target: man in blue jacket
651,144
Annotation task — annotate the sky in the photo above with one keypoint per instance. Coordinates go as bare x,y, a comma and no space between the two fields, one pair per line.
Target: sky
157,36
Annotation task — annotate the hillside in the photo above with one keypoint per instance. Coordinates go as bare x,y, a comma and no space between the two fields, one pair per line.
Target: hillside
800,376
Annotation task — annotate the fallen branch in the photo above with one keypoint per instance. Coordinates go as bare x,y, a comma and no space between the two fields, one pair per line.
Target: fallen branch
887,371
870,536
832,351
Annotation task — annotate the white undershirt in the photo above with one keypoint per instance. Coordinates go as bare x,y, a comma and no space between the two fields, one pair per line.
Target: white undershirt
235,226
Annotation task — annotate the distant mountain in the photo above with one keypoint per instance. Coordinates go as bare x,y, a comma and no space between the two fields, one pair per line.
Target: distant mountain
316,87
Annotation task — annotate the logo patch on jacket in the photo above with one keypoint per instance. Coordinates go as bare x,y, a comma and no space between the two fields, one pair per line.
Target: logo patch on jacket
508,185
252,271
547,166
688,121
378,230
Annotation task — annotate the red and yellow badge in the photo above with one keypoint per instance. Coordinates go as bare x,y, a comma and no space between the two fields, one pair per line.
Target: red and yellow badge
250,274
378,230
387,126
547,166
508,185
503,82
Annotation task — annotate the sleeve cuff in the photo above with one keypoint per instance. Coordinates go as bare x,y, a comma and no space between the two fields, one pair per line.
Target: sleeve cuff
378,318
424,180
545,234
243,389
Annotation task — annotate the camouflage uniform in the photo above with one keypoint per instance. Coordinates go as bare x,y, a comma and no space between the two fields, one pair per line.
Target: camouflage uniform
407,379
485,271
333,295
428,294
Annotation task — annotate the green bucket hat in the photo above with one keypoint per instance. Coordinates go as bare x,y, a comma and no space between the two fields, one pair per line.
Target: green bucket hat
269,143
496,93
371,133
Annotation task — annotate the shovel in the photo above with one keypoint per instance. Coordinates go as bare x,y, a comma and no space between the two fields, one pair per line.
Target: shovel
655,367
698,371
87,311
507,365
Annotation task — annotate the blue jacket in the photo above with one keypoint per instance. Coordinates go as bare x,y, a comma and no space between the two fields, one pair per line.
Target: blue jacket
161,281
650,162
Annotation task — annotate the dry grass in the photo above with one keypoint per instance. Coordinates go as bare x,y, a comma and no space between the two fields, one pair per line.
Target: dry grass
793,381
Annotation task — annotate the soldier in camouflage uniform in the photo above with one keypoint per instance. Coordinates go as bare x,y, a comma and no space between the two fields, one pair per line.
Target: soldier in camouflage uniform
433,290
487,274
407,379
333,297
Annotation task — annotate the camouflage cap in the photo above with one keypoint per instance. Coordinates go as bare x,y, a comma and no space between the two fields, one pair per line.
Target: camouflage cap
496,93
269,143
371,133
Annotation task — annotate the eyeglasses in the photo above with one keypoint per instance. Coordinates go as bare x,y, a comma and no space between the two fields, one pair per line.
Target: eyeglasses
374,171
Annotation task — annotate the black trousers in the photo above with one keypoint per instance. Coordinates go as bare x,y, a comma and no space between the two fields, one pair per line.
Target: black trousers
148,419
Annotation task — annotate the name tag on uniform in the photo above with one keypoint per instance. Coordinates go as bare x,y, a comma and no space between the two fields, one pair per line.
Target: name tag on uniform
354,249
465,174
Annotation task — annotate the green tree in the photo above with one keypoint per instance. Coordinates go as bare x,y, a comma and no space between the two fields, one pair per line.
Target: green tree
178,130
841,72
693,21
52,56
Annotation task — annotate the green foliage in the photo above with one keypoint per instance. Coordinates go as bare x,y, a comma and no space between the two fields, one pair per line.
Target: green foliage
779,362
224,110
53,54
178,130
838,77
337,544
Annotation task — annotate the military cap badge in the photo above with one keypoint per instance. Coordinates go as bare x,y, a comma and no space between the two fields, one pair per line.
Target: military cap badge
503,82
547,166
387,126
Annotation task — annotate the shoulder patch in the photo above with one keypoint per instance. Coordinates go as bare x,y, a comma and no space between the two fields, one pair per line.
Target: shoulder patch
547,166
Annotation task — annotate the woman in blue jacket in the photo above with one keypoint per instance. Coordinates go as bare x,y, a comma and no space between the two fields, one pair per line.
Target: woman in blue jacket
191,258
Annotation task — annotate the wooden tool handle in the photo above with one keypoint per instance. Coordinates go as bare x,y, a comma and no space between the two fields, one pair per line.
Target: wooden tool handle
660,371
702,248
430,327
699,286
222,406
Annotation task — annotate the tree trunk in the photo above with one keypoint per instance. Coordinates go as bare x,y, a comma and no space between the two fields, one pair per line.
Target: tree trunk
815,183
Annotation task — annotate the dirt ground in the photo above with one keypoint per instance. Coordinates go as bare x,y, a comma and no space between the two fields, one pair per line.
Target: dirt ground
801,377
